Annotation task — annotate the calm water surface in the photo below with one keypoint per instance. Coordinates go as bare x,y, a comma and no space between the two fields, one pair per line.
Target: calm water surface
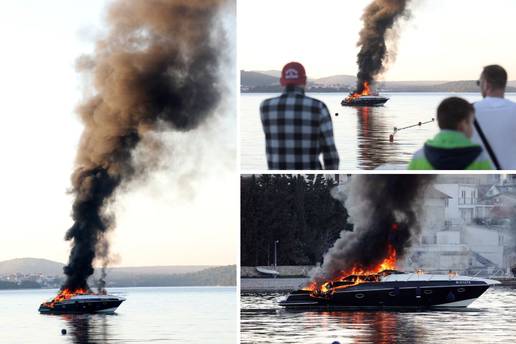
150,315
361,134
490,319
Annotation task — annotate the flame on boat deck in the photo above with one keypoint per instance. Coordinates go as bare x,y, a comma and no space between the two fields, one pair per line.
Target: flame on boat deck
357,274
66,294
366,92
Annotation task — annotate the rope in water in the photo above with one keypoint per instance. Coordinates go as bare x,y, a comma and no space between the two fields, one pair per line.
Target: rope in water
419,124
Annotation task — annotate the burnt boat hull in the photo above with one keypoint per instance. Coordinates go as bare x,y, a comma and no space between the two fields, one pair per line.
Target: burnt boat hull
81,306
365,101
396,295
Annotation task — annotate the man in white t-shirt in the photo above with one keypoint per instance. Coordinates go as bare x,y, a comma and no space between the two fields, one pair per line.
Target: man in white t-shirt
496,119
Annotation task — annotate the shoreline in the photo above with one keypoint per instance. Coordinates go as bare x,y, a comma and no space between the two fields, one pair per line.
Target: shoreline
130,287
260,285
312,91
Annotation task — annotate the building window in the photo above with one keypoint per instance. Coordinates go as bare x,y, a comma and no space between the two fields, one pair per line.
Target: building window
446,203
462,199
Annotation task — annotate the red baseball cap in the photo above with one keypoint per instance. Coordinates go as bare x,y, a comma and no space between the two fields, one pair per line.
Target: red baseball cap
293,74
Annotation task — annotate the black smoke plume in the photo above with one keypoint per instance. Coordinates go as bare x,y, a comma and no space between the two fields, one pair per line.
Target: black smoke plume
384,211
157,69
379,17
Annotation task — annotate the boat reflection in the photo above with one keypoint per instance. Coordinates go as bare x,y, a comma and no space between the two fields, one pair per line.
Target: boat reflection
87,328
373,130
375,327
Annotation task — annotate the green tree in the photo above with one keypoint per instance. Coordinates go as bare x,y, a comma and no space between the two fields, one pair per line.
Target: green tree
299,211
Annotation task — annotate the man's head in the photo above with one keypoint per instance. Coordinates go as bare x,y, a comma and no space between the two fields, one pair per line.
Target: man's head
493,81
293,74
456,114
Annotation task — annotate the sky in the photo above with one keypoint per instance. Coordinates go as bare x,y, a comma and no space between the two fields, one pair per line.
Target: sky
443,40
184,214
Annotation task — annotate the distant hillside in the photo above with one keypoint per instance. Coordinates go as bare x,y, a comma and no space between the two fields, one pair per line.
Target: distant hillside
21,285
188,275
215,276
342,80
447,86
428,86
458,86
274,73
51,268
257,81
254,79
271,78
31,266
155,270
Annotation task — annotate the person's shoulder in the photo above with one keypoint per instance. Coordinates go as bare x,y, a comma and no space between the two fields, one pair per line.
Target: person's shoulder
482,162
419,161
488,103
507,103
269,101
483,155
314,102
481,104
511,103
419,154
312,99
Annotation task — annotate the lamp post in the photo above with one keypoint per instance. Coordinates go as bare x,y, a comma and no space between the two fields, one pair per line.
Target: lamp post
276,255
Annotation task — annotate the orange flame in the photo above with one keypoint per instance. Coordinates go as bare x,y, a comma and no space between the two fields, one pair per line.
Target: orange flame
66,294
362,274
365,92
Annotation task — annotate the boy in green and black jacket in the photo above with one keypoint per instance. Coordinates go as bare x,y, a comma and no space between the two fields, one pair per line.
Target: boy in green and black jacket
452,148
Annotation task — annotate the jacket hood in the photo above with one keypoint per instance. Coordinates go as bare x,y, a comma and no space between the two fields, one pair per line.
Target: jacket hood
451,150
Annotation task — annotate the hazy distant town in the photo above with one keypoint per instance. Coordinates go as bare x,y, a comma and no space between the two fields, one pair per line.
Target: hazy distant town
32,273
268,81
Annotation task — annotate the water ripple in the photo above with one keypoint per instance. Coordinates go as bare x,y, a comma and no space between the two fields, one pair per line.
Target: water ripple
491,319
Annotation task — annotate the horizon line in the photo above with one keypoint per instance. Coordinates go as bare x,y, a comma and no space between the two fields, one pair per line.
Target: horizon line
352,75
128,266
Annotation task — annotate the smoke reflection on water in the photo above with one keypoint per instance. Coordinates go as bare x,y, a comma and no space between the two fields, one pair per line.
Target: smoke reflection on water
385,326
87,328
374,148
489,320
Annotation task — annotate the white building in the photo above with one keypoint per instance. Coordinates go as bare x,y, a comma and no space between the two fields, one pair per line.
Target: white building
486,242
450,238
464,205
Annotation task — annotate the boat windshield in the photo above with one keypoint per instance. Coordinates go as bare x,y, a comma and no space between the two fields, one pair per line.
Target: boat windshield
390,272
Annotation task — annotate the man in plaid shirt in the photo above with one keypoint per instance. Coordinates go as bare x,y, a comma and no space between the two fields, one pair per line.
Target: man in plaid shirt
297,128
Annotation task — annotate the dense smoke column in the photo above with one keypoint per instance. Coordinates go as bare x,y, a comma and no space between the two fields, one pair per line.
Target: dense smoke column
157,69
384,210
378,18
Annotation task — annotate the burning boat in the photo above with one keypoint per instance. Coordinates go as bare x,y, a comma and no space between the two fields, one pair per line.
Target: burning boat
364,98
391,289
81,301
